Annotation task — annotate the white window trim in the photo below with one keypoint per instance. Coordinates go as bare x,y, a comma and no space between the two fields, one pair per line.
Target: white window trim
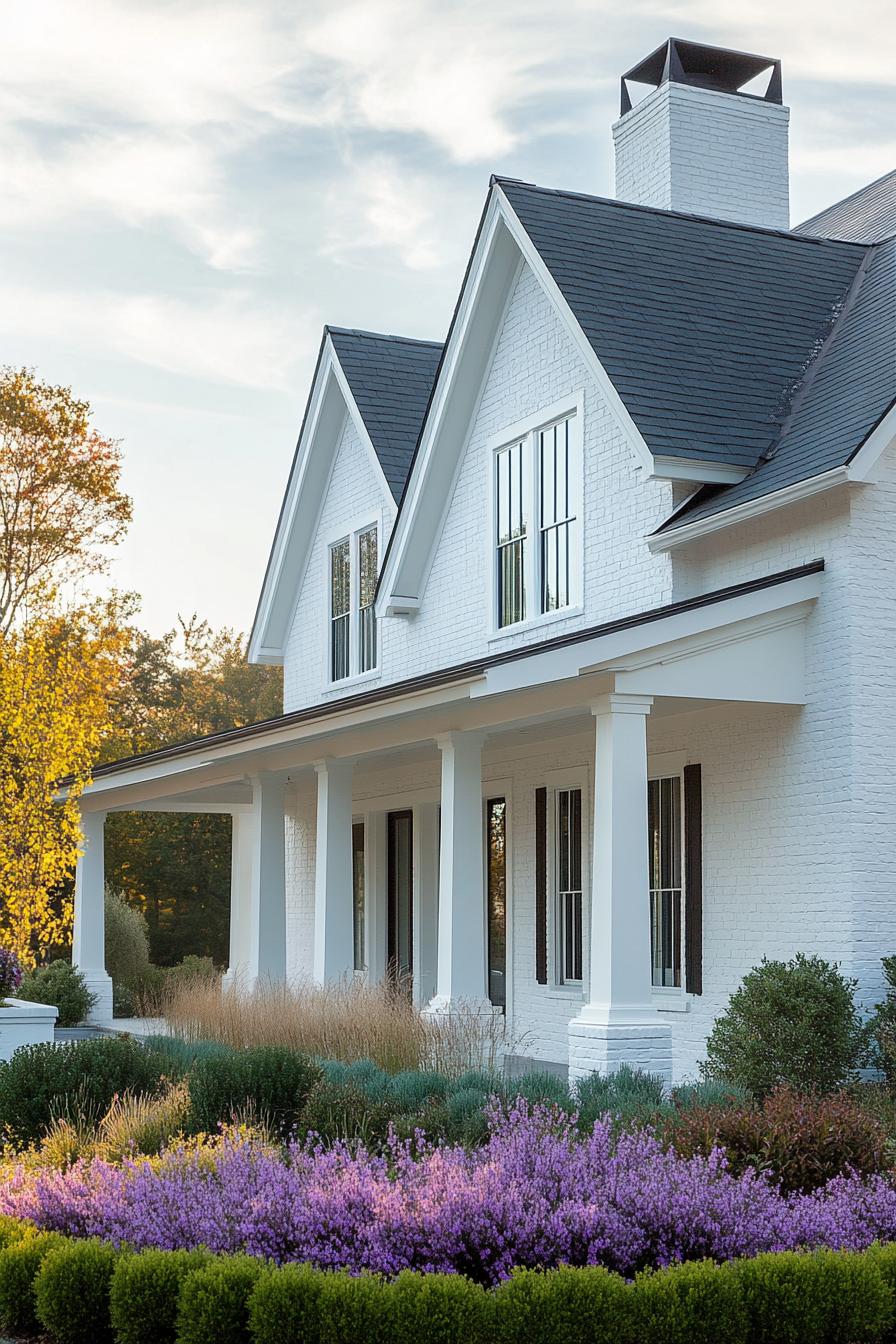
575,777
672,998
526,432
350,532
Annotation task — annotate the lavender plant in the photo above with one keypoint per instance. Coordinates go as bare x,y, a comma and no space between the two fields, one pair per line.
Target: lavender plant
10,972
535,1195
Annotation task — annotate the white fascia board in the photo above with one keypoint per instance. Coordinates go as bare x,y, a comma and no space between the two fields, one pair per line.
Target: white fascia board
461,377
610,651
695,469
210,764
305,496
751,508
863,464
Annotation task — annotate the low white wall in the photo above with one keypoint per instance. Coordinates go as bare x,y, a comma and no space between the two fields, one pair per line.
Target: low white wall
23,1023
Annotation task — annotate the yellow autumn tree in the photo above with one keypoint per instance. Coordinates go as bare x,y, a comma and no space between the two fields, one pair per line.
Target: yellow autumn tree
56,679
61,508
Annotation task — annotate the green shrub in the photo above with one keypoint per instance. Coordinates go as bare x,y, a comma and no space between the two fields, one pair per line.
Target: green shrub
284,1305
353,1308
71,1292
271,1082
127,943
76,1080
214,1301
181,1055
630,1095
144,1293
541,1088
800,1139
344,1111
883,1026
695,1303
708,1092
412,1089
793,1022
62,985
12,1230
19,1264
563,1306
438,1308
824,1297
883,1257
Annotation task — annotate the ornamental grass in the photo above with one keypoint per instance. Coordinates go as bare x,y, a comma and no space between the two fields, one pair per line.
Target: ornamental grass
346,1021
536,1195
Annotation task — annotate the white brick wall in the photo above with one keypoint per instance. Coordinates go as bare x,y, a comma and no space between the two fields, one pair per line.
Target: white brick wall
705,153
799,804
356,491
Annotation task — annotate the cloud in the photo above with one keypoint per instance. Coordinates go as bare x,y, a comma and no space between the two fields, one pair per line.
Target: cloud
380,207
227,339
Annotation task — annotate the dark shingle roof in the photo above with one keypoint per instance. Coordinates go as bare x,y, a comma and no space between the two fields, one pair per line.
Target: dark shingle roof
391,378
705,328
867,216
850,388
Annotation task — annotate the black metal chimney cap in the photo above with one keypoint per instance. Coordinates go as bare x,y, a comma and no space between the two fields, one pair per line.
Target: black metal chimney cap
704,68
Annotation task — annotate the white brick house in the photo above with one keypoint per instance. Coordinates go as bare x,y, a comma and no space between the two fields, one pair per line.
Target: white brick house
587,616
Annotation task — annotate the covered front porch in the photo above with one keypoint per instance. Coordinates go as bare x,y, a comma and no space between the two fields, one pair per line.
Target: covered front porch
514,834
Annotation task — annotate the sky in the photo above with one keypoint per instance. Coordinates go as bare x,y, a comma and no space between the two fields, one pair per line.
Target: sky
189,191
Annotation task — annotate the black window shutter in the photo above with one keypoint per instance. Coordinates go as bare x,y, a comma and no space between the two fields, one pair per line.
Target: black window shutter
693,878
541,886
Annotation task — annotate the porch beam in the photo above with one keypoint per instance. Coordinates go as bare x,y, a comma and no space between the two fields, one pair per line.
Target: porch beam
333,885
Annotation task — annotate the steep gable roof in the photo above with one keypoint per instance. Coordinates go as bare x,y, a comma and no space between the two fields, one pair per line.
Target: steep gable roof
844,397
382,383
867,216
391,379
704,327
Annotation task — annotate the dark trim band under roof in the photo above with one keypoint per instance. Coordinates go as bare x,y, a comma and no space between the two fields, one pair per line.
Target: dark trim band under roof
459,671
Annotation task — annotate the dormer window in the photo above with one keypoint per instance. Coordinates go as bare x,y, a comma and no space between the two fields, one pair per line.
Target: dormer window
353,574
536,488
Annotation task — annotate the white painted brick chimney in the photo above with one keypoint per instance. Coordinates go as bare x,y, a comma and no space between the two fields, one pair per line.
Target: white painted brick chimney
705,152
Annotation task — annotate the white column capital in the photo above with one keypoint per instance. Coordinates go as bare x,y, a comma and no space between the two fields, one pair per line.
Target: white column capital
461,737
333,765
622,702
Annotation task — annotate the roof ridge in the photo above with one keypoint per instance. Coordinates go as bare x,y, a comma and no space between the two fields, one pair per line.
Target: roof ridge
812,368
790,234
380,335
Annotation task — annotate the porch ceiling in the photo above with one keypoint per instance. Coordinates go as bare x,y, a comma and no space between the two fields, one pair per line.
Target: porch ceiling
741,644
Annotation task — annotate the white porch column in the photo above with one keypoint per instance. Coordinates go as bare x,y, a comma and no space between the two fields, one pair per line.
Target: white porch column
334,954
263,829
461,970
619,1024
89,936
239,963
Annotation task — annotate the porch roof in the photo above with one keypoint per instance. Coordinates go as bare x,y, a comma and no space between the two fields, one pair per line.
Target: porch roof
200,766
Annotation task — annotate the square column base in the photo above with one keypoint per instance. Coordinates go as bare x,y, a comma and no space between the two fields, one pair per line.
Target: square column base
100,986
601,1047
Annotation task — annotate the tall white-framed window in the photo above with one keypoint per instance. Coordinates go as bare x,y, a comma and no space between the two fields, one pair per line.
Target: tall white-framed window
568,888
536,491
353,567
664,846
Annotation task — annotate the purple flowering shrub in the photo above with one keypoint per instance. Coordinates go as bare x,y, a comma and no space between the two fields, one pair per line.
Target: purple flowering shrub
10,972
536,1194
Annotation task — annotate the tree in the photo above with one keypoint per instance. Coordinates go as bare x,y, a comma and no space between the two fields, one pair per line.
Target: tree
61,505
56,675
176,867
